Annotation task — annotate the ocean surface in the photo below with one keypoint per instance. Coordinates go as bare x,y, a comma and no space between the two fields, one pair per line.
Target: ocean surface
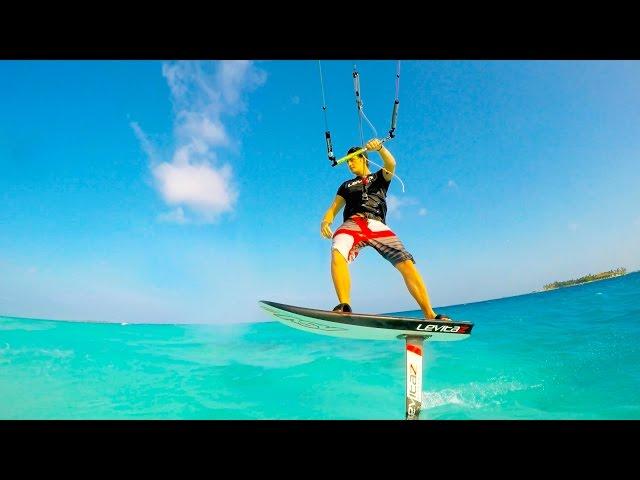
571,353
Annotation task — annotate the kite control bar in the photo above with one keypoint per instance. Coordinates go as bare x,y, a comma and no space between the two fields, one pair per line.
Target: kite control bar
346,158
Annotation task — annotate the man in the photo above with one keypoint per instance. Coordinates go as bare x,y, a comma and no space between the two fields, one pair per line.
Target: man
364,199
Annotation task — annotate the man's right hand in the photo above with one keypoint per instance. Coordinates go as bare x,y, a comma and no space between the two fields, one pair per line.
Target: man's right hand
325,229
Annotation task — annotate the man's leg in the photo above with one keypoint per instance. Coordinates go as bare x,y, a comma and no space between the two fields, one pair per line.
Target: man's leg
416,286
340,275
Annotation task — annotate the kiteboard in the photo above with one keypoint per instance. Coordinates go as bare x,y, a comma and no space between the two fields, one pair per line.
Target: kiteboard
366,326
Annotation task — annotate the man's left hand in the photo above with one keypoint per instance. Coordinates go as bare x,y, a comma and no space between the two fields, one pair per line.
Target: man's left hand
374,145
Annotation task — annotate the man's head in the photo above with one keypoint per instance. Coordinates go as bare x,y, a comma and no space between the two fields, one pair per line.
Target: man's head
358,164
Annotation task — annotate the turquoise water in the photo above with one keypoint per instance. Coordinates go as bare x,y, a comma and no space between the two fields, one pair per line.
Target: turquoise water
571,353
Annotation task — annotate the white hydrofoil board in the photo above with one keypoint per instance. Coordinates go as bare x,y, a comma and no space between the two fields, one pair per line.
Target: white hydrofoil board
365,326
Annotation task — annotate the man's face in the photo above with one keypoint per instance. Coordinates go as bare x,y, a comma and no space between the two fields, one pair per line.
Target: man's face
357,164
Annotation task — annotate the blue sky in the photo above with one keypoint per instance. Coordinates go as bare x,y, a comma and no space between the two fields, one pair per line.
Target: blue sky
149,191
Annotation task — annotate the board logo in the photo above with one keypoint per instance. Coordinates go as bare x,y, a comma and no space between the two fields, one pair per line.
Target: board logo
413,402
441,328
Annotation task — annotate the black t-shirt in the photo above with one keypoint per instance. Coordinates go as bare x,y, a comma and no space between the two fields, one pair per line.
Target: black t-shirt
368,199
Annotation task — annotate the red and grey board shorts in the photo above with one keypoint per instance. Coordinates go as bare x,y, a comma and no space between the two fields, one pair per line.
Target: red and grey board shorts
357,232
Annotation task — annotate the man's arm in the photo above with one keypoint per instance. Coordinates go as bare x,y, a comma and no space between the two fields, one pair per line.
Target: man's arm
388,161
332,211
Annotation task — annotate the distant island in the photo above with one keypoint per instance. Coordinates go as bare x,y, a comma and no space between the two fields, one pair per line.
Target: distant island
587,278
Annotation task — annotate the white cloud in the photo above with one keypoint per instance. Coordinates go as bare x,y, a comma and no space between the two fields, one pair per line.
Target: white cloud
195,178
174,74
395,205
203,188
422,212
145,143
199,129
234,76
452,184
173,216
